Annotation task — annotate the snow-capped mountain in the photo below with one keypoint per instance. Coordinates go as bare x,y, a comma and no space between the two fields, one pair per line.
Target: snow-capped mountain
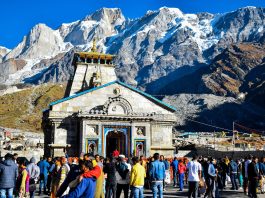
156,49
101,24
41,42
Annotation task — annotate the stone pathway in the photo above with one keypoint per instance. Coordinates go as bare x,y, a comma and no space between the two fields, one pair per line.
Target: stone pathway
173,192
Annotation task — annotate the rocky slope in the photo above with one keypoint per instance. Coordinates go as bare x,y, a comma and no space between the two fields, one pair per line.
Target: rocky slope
238,69
236,77
23,109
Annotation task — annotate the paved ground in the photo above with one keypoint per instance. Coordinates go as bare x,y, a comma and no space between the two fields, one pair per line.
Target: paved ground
173,192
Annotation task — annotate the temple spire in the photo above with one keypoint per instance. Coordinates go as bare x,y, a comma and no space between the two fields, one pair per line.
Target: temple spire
92,69
94,48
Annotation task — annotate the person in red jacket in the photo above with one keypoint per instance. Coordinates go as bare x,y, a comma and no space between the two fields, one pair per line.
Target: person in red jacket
181,170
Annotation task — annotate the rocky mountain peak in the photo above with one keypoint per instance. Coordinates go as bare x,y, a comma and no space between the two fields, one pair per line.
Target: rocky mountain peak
41,42
101,24
171,11
3,52
111,15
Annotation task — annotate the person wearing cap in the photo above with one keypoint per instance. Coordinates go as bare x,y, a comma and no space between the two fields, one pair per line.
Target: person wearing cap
123,176
34,172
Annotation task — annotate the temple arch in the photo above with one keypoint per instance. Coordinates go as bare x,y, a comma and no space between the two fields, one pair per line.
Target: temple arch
117,106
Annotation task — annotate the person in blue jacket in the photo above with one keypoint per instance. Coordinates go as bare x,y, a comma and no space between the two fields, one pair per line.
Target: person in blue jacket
157,175
174,164
86,188
44,170
167,166
233,173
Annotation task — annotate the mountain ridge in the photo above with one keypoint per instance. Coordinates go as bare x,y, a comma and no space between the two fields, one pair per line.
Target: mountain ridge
151,47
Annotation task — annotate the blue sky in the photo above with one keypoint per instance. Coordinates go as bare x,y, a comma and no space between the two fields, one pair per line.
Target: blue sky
17,17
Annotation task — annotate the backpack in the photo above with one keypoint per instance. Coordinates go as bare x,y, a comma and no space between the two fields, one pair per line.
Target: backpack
122,169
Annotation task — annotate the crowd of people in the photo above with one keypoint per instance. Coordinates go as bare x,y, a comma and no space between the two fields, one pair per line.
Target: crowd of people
209,176
95,176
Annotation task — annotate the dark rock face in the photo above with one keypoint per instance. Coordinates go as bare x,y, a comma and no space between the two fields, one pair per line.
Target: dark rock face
238,69
236,77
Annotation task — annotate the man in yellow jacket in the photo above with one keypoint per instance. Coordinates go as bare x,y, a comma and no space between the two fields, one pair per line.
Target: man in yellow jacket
137,179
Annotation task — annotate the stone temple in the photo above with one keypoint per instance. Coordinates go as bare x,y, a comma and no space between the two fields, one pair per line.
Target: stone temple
100,114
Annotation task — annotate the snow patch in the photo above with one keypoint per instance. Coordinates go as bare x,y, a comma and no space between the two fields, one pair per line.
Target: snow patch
23,73
172,11
201,30
260,29
70,24
4,48
167,35
88,24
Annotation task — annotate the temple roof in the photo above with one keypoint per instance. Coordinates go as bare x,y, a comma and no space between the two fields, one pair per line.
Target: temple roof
95,55
148,96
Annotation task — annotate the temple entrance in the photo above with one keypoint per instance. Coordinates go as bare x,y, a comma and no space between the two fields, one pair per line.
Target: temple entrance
115,140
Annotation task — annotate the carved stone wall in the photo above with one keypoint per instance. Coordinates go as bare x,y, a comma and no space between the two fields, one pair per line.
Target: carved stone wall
161,138
99,99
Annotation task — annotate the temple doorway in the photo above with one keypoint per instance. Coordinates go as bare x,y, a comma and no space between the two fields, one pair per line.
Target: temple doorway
115,140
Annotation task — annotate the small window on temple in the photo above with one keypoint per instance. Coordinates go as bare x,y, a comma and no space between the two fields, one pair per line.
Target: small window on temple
108,62
102,61
89,60
82,59
95,60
